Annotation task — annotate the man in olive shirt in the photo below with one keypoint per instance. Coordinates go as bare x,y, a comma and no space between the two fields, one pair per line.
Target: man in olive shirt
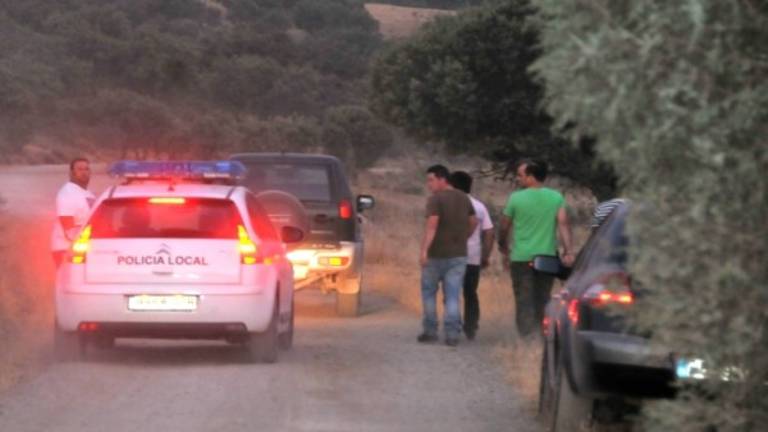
537,214
450,221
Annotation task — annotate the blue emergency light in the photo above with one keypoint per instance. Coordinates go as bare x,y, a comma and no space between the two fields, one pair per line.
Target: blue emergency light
178,170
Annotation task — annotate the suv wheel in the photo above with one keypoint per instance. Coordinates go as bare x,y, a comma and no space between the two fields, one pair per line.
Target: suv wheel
348,297
67,346
262,347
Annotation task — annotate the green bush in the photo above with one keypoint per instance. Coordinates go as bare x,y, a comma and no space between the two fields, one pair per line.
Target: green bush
355,136
189,63
676,94
464,80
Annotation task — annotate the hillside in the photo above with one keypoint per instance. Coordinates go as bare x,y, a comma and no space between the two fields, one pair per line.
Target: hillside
400,21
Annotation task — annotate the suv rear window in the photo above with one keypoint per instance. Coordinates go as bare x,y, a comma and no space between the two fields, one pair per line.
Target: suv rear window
306,182
140,218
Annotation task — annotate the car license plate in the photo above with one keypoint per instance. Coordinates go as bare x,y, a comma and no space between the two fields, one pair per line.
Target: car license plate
300,272
176,302
690,369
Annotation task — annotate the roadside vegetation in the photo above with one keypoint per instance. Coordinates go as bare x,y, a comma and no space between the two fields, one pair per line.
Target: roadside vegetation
156,78
676,95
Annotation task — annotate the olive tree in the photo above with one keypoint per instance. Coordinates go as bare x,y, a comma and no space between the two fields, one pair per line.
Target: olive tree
677,97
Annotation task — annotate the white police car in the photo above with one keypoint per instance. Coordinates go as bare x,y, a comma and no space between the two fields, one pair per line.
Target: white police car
177,250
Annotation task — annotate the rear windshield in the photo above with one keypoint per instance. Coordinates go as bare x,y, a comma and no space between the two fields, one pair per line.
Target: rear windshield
305,182
141,218
611,242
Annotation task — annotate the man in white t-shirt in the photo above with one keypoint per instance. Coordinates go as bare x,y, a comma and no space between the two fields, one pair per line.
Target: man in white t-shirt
73,202
479,248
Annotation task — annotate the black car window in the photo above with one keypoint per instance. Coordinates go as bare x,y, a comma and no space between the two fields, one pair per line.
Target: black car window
307,182
163,217
610,245
606,244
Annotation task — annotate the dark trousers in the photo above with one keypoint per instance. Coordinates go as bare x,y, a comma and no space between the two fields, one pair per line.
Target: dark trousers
532,292
471,303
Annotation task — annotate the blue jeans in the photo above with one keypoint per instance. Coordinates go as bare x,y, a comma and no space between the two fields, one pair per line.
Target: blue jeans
449,271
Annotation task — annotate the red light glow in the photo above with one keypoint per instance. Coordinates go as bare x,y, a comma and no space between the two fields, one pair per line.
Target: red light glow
345,209
573,311
167,200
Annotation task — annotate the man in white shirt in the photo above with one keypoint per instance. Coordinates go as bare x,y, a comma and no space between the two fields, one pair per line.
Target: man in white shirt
73,203
479,248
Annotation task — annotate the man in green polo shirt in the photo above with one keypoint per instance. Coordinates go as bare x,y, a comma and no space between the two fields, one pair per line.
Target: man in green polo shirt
537,215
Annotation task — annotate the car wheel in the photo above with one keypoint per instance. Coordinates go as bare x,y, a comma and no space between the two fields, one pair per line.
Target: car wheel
286,337
546,390
67,346
348,298
571,412
262,347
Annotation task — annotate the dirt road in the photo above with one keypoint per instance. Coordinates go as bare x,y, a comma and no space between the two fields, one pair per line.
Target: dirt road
361,374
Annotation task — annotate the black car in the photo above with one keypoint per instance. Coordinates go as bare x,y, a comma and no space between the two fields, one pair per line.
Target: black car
331,254
592,359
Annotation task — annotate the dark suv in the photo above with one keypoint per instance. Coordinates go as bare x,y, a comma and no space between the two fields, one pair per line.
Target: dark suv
331,254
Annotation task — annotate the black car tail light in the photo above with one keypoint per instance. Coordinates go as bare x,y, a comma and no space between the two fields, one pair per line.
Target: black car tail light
612,288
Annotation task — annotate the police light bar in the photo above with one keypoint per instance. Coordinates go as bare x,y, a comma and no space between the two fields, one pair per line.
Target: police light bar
150,170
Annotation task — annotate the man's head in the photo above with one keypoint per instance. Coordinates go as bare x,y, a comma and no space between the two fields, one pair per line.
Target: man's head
531,173
437,178
461,180
80,172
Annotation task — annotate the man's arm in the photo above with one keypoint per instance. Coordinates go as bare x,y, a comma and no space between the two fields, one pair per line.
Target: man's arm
429,236
472,225
564,229
505,225
487,243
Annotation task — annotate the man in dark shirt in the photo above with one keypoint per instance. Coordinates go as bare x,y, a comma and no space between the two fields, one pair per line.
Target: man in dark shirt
450,222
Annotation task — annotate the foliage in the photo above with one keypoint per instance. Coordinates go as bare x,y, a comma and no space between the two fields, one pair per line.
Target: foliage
355,136
465,80
150,78
438,4
676,94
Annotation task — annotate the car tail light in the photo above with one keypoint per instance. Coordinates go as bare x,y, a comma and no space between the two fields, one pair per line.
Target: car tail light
81,245
333,261
88,327
246,246
251,254
167,200
573,311
345,209
610,289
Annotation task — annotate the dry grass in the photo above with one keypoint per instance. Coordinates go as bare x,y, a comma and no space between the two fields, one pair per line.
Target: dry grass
397,22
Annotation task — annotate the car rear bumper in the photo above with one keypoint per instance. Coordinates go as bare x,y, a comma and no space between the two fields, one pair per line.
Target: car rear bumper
623,349
311,264
252,312
624,364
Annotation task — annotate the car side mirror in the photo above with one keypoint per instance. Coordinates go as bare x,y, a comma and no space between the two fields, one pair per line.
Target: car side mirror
550,265
365,202
289,234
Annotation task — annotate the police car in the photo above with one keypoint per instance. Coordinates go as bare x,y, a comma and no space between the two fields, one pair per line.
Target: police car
177,250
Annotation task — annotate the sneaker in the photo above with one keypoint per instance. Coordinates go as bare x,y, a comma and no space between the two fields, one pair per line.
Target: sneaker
426,338
452,341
